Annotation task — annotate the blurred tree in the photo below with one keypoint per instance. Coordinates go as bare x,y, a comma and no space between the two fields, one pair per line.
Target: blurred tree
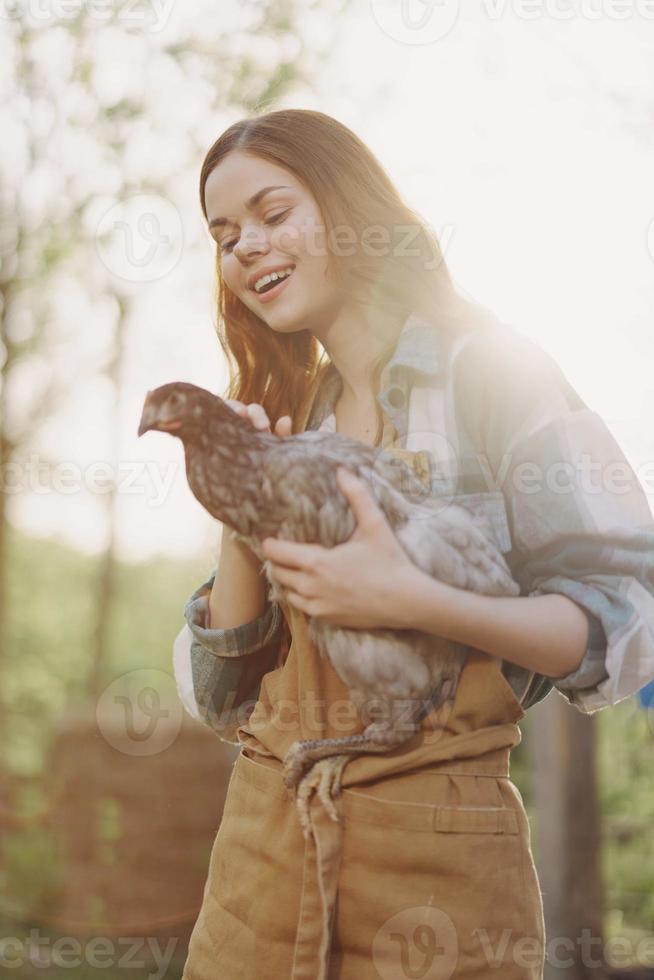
86,108
91,214
39,232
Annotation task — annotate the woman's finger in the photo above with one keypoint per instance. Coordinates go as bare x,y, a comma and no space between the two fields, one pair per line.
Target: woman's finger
293,554
236,405
284,426
366,510
290,578
254,413
258,417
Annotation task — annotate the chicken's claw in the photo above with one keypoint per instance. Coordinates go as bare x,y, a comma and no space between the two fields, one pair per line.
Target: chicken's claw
325,778
296,762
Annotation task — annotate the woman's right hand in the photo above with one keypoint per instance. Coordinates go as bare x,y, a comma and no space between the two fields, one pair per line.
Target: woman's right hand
256,414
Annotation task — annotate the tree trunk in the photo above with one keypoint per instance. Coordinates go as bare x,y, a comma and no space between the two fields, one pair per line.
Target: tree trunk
106,579
562,749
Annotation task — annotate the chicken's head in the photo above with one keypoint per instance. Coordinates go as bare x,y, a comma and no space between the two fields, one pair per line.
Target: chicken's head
177,407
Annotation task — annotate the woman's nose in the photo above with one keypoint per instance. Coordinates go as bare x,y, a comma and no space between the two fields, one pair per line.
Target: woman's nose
252,241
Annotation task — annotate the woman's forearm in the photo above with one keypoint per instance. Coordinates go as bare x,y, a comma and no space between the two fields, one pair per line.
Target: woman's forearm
239,590
547,634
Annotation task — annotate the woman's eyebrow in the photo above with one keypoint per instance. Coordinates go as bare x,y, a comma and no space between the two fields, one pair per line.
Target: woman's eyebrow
251,202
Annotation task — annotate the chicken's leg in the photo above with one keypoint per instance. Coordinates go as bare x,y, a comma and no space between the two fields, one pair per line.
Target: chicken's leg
394,726
325,759
302,754
318,764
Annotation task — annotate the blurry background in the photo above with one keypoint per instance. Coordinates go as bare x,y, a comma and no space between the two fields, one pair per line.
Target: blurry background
523,133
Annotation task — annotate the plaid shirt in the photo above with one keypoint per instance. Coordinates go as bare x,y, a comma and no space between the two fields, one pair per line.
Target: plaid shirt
498,428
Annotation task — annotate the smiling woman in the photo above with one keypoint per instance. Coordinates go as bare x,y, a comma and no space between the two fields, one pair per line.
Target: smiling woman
262,243
333,296
346,243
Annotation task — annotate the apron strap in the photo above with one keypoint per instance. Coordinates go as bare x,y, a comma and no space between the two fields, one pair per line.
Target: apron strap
322,860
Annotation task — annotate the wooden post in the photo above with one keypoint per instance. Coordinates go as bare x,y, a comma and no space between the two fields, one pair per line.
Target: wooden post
561,745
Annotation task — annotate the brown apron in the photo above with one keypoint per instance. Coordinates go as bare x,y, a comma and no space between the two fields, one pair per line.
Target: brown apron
429,874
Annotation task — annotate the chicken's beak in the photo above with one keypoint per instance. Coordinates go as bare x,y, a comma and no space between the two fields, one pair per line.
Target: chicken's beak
148,417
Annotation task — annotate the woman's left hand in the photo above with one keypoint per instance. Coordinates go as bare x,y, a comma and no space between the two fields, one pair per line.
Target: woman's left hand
363,583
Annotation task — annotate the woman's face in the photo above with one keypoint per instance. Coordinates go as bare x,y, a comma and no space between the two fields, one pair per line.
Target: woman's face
258,230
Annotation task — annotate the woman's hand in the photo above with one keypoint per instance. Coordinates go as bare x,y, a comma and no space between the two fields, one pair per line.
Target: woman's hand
364,583
256,414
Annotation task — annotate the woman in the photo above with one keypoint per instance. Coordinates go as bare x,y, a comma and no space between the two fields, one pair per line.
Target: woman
429,872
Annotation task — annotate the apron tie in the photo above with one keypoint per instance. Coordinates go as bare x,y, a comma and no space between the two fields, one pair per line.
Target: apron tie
322,861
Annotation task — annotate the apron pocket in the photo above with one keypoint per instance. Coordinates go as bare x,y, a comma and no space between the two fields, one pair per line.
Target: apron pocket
475,820
450,878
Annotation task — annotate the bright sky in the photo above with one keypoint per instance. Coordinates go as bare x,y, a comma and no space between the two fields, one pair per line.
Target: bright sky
525,143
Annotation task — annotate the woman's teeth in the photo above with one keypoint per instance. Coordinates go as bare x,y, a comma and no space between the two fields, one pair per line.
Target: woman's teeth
265,281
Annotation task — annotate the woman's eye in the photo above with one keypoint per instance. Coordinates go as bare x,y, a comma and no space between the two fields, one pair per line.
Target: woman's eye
273,220
277,217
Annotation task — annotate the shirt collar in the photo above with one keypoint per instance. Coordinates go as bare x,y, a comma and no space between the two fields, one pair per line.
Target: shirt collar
420,348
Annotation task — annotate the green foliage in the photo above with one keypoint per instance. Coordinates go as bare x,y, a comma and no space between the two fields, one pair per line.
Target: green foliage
625,740
626,791
52,593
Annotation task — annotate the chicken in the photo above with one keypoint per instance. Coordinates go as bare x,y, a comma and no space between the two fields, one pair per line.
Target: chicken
261,485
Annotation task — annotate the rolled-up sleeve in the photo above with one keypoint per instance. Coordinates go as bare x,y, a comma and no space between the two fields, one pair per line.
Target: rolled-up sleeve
580,522
218,672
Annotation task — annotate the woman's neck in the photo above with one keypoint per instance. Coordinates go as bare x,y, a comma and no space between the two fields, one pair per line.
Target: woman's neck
354,345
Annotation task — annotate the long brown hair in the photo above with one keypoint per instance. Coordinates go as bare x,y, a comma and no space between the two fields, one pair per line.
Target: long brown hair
283,371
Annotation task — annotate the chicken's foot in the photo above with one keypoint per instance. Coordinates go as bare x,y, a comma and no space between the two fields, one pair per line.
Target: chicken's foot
378,737
318,765
324,778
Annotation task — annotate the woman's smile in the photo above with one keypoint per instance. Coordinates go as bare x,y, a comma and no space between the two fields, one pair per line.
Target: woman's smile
270,292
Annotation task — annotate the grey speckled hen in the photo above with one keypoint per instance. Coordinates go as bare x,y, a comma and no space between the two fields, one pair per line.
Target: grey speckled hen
261,485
